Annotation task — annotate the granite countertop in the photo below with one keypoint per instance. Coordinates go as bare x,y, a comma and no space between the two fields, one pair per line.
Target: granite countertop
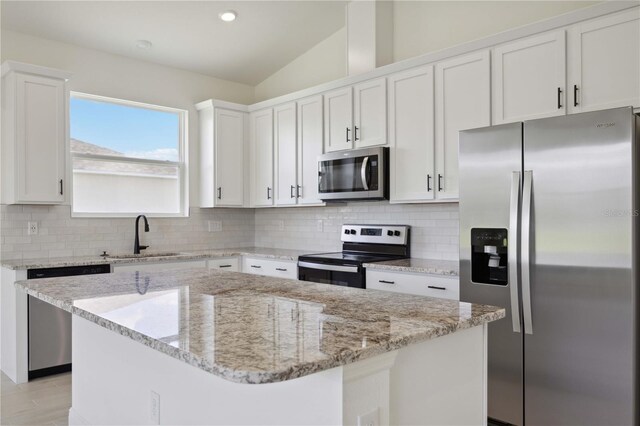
256,329
268,253
424,266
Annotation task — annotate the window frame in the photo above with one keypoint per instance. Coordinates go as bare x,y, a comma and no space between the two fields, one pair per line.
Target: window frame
182,164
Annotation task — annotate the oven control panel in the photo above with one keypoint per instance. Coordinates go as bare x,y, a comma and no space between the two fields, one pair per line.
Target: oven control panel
377,234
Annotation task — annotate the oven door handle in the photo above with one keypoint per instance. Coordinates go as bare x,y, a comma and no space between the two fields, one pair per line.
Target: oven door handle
363,173
325,267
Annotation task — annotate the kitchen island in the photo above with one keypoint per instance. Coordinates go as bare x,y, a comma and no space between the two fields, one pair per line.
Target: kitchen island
210,347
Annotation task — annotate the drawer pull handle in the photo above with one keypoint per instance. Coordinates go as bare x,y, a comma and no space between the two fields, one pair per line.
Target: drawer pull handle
225,266
435,287
256,266
386,282
281,269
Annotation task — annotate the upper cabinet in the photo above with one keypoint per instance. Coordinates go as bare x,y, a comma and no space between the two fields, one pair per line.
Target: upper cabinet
285,139
309,148
604,62
411,135
358,124
529,78
222,146
34,134
261,153
462,101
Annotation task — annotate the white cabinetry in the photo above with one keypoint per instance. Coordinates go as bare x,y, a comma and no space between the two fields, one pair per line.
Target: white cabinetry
261,170
161,266
34,134
225,264
604,62
411,135
222,146
271,268
309,148
440,286
529,78
463,101
356,125
285,154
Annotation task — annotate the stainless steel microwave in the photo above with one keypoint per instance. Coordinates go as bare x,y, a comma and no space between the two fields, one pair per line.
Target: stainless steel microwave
359,174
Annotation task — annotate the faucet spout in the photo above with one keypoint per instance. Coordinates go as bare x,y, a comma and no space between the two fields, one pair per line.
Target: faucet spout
136,244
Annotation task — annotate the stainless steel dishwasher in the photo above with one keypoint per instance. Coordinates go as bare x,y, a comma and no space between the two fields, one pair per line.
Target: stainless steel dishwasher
50,327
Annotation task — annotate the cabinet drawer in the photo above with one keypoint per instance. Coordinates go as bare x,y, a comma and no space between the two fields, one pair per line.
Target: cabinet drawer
164,266
271,268
419,284
225,263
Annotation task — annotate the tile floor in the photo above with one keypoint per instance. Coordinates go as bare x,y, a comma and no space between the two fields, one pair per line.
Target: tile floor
44,401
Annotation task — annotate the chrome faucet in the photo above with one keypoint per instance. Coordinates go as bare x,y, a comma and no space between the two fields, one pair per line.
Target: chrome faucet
136,245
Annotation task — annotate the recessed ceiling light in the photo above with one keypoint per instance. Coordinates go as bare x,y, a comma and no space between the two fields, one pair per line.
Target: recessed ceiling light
228,15
143,44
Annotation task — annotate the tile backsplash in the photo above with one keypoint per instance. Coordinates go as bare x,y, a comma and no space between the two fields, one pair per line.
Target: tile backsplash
434,232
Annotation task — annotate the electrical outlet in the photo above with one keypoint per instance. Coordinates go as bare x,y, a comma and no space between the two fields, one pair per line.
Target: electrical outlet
32,228
154,414
280,225
372,418
215,226
319,225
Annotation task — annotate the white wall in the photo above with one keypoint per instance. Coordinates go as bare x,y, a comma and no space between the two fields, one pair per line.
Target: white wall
104,74
324,62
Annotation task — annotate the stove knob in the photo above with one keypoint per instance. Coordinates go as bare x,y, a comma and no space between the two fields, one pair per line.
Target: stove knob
353,232
396,233
346,231
390,233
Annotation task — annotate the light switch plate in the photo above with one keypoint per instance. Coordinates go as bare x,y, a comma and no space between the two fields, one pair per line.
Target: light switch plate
154,413
215,226
280,225
32,228
372,418
319,225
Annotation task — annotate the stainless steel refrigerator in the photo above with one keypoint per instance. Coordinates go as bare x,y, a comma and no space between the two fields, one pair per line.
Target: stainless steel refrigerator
549,230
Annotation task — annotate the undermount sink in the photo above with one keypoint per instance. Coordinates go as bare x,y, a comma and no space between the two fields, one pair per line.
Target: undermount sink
144,255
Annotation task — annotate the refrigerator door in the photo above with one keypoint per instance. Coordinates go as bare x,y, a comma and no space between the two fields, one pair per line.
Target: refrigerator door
490,175
580,340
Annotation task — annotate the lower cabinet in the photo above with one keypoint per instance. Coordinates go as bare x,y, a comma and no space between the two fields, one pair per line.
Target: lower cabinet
225,263
271,268
440,286
160,266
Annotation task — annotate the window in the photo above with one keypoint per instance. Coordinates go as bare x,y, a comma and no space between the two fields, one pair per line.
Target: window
128,158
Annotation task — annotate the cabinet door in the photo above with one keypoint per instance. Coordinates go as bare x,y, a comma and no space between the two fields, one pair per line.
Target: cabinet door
411,135
463,101
262,158
370,113
529,78
285,153
229,157
604,65
40,139
309,148
338,118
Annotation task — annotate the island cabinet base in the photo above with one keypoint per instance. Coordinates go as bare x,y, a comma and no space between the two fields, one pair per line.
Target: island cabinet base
117,380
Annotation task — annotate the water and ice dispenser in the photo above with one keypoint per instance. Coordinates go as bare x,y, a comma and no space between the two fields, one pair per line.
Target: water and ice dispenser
489,256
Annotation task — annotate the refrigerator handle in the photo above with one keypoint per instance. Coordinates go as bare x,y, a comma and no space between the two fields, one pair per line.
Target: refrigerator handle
513,250
526,245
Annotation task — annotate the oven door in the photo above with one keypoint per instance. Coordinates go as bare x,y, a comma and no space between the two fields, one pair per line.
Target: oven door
344,275
355,174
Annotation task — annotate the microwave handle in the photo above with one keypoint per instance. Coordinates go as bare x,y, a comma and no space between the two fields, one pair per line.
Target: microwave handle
363,173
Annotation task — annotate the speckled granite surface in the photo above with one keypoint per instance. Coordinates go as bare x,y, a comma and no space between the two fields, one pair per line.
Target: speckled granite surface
256,329
424,266
268,253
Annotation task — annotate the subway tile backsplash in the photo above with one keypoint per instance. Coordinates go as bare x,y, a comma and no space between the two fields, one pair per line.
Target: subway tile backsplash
434,232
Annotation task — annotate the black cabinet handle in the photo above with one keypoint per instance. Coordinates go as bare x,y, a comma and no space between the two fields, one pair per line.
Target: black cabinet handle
219,193
355,133
428,183
256,266
575,95
61,188
559,98
348,130
440,182
386,282
281,269
292,188
225,266
268,193
435,287
299,191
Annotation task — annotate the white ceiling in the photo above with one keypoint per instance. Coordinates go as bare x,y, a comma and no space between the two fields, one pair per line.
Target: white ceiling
186,34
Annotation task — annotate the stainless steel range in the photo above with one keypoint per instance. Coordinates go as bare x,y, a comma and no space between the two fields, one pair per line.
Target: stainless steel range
360,244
